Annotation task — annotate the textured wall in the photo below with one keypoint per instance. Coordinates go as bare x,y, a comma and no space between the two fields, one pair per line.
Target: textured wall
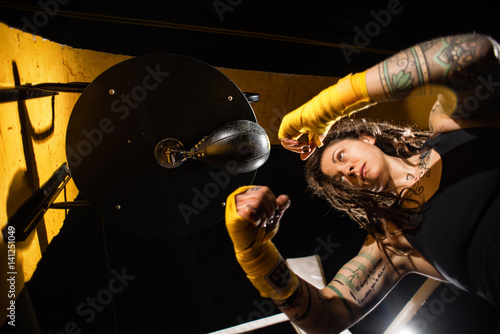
32,136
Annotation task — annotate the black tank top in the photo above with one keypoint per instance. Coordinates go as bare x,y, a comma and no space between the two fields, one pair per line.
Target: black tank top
460,230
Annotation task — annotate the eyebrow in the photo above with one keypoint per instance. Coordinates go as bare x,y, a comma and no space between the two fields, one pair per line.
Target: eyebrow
334,155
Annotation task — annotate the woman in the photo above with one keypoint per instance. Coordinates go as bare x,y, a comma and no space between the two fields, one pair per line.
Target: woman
430,201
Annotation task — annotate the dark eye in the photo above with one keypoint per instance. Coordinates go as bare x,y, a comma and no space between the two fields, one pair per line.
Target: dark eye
340,156
341,178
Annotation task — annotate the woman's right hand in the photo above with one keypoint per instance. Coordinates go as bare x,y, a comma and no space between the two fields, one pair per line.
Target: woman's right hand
254,216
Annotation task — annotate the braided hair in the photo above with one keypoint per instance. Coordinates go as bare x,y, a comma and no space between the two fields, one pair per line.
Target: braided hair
371,210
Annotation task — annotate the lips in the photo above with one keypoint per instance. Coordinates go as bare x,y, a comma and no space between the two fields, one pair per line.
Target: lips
362,172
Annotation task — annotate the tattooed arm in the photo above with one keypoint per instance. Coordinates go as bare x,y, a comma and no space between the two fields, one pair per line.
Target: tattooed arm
356,289
466,64
253,214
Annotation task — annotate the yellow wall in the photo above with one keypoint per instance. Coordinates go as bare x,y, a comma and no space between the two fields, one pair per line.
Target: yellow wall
37,61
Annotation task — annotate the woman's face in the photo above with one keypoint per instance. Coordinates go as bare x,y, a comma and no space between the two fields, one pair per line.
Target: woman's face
358,162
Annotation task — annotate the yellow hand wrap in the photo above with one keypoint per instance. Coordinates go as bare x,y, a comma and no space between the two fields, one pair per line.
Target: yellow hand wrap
315,117
257,255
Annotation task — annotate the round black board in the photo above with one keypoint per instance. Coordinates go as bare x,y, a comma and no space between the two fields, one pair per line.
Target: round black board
121,117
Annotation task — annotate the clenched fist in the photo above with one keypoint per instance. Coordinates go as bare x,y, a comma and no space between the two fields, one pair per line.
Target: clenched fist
252,218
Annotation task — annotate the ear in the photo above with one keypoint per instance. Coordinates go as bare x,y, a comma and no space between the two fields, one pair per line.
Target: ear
367,138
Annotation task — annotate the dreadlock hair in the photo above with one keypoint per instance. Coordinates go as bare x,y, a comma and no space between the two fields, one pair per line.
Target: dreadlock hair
371,210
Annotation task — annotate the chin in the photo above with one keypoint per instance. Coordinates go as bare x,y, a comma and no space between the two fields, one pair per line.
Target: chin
379,187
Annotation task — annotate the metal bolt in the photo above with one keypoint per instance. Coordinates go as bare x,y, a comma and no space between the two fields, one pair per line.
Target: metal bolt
229,98
111,92
118,207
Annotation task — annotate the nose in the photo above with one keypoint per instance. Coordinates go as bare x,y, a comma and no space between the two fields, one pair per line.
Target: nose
349,170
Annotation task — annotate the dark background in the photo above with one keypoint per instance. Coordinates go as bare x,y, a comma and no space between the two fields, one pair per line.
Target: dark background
193,284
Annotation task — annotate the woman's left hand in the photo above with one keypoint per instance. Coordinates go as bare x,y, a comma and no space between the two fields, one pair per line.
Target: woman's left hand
304,148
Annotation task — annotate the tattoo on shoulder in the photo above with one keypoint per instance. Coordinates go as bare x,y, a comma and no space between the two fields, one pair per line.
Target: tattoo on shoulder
425,158
424,171
410,68
457,53
429,44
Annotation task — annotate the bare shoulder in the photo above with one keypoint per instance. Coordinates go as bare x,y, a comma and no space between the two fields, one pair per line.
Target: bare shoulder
441,119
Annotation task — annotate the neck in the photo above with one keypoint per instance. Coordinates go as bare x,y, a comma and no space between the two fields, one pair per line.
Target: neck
408,171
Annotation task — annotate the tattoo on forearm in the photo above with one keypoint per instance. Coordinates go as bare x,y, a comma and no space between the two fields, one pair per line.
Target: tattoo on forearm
291,302
307,317
305,314
280,276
